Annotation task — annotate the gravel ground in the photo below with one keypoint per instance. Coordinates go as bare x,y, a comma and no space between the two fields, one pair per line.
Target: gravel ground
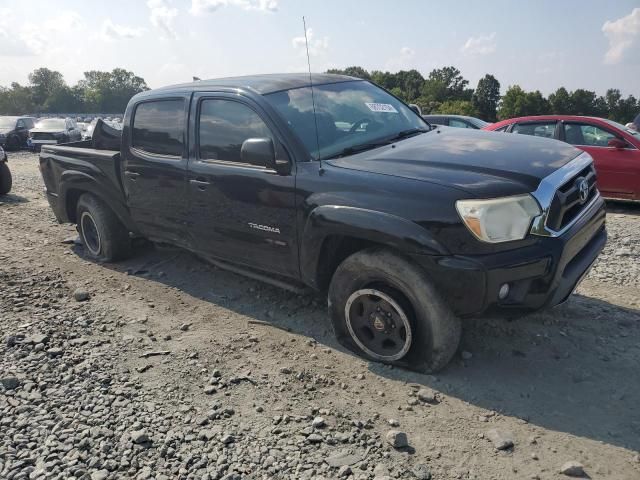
164,367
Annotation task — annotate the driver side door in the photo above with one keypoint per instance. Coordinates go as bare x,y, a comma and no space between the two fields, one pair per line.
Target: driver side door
239,212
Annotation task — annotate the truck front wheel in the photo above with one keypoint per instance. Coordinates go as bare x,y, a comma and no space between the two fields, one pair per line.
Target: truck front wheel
104,237
386,309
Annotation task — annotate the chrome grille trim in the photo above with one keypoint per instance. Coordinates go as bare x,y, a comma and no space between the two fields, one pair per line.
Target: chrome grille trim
546,191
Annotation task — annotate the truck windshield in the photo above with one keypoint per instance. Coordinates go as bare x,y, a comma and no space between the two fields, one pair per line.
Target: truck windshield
51,123
351,117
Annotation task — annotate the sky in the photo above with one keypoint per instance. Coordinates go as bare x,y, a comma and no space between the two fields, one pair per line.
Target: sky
541,44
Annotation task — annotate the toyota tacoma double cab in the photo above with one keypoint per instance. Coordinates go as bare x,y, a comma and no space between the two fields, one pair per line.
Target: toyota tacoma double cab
331,182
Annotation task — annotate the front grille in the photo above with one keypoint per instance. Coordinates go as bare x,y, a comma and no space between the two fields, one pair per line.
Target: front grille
43,136
567,203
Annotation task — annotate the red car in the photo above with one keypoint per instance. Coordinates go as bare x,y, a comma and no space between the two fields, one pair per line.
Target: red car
615,148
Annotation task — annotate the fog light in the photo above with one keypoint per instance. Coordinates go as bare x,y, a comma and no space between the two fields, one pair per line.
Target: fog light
504,291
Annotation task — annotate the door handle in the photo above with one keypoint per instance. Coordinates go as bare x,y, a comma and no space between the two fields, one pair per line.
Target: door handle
132,175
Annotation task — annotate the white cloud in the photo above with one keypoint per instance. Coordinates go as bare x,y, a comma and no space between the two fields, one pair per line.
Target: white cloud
401,61
198,7
317,46
162,17
407,52
623,35
111,31
63,22
481,45
30,38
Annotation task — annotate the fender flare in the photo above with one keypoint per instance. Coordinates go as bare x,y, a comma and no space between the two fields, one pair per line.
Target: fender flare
76,180
379,227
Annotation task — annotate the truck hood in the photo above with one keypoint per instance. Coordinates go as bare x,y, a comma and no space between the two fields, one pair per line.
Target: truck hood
46,130
484,164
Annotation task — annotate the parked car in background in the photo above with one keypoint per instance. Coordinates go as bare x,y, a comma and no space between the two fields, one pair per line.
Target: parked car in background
614,147
88,132
53,131
14,131
458,121
82,126
408,228
5,173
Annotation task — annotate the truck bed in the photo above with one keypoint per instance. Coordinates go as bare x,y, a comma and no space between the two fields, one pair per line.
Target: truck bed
74,165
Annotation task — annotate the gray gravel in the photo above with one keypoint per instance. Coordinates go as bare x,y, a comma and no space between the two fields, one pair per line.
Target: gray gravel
154,372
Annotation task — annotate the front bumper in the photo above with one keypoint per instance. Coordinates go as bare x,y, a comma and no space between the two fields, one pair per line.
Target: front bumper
31,143
540,275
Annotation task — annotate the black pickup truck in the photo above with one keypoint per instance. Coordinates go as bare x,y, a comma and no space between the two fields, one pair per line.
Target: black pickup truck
343,188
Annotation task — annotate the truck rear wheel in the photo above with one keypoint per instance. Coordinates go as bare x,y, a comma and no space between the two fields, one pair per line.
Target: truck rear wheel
6,181
104,237
386,309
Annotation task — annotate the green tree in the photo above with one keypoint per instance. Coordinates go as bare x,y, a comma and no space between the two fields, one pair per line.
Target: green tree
560,102
457,107
583,102
453,81
110,91
628,108
16,100
354,71
518,103
44,83
410,81
486,97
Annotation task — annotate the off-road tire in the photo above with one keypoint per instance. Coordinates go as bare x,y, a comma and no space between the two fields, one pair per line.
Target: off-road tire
436,330
6,181
113,242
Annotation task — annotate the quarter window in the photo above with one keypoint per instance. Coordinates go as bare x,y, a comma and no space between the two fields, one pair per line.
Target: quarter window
539,129
158,127
586,135
224,125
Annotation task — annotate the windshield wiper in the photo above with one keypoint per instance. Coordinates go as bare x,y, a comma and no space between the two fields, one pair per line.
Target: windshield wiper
371,145
409,133
357,149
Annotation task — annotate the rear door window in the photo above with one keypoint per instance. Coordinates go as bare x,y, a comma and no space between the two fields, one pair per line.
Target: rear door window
158,127
538,129
586,135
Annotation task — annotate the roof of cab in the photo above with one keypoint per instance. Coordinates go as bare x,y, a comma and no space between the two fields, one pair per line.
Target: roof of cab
261,84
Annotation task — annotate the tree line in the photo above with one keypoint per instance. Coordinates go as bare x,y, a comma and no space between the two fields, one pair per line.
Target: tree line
47,92
446,91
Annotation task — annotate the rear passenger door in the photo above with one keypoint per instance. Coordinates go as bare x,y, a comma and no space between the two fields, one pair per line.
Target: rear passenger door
154,168
239,212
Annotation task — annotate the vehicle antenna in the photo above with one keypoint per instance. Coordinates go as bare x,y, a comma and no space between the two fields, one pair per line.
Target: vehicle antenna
313,99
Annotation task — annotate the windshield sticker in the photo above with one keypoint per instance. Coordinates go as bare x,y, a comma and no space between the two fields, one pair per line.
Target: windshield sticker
381,107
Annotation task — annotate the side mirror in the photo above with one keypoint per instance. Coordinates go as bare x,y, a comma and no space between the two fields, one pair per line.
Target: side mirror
258,151
617,143
415,108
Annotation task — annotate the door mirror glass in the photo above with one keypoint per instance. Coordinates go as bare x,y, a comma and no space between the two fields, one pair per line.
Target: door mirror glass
617,143
259,152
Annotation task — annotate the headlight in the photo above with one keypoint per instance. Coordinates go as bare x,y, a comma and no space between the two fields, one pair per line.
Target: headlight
499,219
